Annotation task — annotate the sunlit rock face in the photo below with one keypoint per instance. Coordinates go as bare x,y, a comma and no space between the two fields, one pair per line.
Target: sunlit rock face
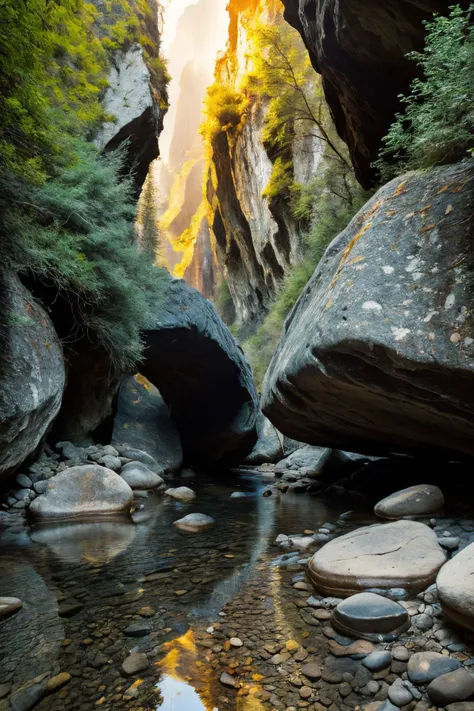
378,352
359,47
32,374
135,98
257,241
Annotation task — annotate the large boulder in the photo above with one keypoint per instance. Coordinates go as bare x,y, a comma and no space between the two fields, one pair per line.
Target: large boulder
360,49
32,375
142,421
84,491
378,353
403,554
418,500
203,376
455,588
269,446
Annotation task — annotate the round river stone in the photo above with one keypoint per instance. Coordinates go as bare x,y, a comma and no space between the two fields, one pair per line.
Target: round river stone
423,667
370,616
419,500
455,588
400,554
181,493
83,491
195,522
139,476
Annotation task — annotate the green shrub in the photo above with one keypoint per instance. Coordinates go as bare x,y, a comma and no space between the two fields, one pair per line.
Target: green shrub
76,233
437,124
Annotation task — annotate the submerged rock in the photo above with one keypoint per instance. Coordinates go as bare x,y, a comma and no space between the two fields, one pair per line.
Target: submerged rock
203,377
419,500
9,605
32,374
378,355
370,616
142,421
83,491
455,588
195,522
400,554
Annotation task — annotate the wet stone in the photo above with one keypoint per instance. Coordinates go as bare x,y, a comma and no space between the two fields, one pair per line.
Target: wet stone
377,660
370,616
26,698
138,629
135,663
399,694
454,686
311,671
423,667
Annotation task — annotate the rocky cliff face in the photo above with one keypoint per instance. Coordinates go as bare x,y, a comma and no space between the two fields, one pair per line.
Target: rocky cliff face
256,241
136,96
359,47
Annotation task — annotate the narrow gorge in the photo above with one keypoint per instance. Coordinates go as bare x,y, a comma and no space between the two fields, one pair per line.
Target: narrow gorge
237,363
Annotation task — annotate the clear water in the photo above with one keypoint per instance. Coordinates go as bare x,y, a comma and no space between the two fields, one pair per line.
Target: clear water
111,569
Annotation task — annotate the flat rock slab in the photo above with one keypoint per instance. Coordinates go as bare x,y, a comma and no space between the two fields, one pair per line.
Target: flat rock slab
370,616
195,522
448,688
400,554
455,588
139,476
419,500
181,493
423,667
83,491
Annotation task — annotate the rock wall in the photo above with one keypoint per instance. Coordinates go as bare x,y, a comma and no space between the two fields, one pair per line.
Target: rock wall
359,47
256,242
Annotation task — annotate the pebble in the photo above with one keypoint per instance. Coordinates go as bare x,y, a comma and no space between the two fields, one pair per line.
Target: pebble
135,663
423,621
377,660
311,671
401,654
56,682
236,642
399,694
423,667
450,543
306,692
228,680
24,481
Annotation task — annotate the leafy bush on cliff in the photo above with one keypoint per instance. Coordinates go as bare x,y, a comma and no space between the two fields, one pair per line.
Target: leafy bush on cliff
224,109
76,234
437,124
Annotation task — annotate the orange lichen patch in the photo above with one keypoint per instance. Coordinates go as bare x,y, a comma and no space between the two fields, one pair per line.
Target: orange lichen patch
349,247
428,228
28,308
400,189
461,186
356,259
389,213
374,208
330,303
143,381
444,188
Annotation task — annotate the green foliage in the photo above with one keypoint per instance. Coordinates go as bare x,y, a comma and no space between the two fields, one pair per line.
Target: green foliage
224,109
327,213
281,181
437,124
76,232
66,215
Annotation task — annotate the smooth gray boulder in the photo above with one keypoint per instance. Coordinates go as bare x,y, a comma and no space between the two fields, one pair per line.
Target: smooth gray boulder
451,687
370,616
143,421
269,446
203,376
403,554
419,500
455,588
32,374
83,491
138,476
378,354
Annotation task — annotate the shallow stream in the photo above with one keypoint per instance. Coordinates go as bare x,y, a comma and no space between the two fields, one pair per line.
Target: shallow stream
93,593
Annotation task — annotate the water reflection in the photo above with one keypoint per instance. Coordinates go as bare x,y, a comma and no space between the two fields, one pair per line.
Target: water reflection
94,543
179,696
179,667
